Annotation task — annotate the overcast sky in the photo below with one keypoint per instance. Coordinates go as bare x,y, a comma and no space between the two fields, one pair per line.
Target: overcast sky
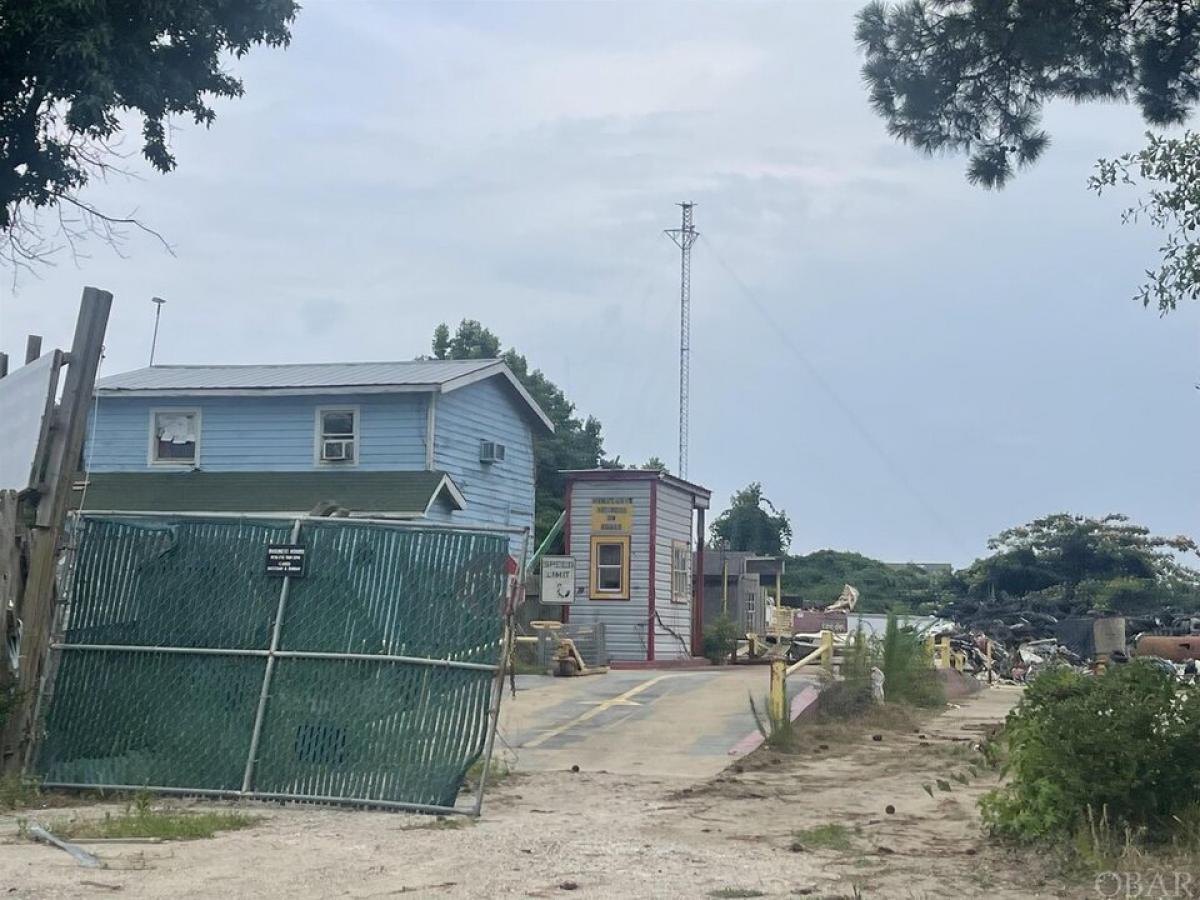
908,364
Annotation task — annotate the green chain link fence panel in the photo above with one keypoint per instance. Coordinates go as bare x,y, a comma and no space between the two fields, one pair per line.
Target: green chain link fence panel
380,684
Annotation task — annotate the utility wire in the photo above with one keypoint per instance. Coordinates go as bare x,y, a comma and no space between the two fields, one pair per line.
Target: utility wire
776,328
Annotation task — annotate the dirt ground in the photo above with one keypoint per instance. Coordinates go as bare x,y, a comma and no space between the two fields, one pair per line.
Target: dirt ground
601,835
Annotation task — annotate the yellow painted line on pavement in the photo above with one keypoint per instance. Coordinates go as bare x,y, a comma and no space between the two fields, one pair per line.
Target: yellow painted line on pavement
601,706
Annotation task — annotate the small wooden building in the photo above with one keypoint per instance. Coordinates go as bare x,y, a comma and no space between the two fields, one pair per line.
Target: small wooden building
633,533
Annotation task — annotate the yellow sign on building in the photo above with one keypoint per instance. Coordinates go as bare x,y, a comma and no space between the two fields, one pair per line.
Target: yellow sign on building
612,515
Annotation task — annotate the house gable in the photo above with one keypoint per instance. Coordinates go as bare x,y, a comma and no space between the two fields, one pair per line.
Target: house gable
499,492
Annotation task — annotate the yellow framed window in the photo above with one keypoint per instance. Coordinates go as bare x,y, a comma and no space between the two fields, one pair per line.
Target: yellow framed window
610,567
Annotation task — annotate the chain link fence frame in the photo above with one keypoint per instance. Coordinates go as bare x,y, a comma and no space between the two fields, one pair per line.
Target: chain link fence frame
374,679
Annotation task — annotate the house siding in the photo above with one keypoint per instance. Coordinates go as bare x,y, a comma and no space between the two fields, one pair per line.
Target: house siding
249,434
278,434
499,493
673,621
627,622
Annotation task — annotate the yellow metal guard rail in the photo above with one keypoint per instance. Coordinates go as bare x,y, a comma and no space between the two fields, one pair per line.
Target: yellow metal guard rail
780,670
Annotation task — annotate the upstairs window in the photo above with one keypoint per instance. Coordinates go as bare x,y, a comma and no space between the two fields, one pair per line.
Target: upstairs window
337,436
175,437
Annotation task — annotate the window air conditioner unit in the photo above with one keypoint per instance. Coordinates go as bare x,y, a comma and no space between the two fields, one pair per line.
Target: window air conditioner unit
337,451
490,452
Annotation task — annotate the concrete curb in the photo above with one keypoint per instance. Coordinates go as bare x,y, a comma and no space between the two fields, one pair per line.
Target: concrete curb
804,702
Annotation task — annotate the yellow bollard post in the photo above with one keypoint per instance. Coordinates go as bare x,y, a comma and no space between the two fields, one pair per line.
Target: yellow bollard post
827,650
777,704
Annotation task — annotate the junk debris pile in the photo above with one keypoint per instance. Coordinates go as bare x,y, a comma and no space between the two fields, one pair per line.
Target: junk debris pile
1015,647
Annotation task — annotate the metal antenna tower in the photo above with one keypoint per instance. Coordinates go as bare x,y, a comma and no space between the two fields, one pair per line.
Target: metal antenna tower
684,237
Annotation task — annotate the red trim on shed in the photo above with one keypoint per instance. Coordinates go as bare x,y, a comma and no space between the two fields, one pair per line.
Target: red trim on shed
698,493
698,589
653,573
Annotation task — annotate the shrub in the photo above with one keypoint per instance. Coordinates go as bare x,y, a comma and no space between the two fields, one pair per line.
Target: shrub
1121,746
720,639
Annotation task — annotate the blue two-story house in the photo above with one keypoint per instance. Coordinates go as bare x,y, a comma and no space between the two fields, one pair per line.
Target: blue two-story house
443,440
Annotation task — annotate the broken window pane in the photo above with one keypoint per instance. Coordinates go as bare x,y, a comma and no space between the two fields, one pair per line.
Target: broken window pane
175,436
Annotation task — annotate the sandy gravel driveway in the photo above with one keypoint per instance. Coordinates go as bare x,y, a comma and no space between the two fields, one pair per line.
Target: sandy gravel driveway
608,835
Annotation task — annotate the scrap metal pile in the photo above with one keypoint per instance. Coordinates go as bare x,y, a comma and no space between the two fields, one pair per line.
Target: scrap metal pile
1014,647
1011,622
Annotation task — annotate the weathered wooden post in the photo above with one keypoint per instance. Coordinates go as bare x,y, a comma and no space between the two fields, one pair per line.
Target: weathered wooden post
53,491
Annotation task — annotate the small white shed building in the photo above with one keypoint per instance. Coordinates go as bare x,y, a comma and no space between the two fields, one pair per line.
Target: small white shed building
633,534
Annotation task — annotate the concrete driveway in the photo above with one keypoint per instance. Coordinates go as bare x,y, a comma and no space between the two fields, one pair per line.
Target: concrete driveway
684,723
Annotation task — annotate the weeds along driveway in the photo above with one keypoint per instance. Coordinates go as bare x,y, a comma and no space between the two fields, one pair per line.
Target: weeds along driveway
814,823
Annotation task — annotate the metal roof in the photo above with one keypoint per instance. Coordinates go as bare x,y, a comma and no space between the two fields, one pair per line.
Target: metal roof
699,492
440,375
413,373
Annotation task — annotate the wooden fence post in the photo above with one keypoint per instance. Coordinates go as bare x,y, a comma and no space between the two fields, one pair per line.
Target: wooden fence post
36,609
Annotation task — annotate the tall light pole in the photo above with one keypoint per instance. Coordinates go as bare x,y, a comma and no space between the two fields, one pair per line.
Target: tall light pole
684,236
158,305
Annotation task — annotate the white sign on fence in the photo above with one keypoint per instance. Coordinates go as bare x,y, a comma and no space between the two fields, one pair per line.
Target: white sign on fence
26,403
558,579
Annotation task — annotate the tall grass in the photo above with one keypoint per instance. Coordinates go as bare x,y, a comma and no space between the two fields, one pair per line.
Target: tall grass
907,668
850,696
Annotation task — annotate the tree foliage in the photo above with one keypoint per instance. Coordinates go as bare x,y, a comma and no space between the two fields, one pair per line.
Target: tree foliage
972,76
471,340
753,523
1067,564
818,579
71,69
1172,167
576,443
657,465
1059,565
